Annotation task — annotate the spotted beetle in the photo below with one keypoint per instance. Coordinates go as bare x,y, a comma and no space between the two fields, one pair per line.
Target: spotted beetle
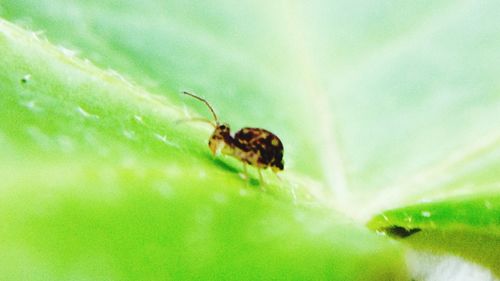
254,146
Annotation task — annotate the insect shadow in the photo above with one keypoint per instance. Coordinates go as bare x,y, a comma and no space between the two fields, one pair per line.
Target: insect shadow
228,167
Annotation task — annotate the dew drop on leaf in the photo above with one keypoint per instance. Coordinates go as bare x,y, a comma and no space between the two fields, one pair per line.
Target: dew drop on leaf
65,143
39,137
426,214
129,134
85,113
164,189
220,198
26,78
243,192
202,174
32,106
488,204
138,118
67,52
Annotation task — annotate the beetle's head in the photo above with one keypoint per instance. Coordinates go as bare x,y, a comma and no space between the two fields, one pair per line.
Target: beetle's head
220,139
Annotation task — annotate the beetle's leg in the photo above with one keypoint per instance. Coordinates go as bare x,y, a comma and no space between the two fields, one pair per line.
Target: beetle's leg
279,178
245,171
260,176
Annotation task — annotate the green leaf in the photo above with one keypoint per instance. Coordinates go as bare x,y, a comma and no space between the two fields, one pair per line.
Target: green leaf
467,227
380,105
99,182
365,97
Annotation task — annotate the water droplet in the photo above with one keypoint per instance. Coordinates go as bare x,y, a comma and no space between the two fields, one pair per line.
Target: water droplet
129,134
426,214
300,216
85,113
129,162
243,192
164,189
39,137
293,193
173,171
65,143
202,174
32,106
488,204
186,111
138,118
205,215
26,78
220,198
119,76
67,52
108,175
38,35
163,138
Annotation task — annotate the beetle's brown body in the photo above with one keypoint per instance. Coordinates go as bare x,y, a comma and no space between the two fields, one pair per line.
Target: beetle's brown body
254,146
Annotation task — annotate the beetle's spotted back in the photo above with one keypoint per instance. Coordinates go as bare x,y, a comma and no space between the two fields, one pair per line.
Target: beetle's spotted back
266,145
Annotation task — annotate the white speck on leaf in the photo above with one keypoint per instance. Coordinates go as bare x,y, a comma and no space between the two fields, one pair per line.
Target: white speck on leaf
220,198
38,35
129,162
243,192
163,138
202,174
294,195
31,105
242,176
39,137
300,216
129,134
120,77
186,111
65,143
86,114
173,171
67,52
138,118
108,176
426,214
164,189
488,204
26,78
205,215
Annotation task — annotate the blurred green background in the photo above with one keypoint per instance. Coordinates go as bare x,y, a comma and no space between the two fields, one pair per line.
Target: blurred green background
379,105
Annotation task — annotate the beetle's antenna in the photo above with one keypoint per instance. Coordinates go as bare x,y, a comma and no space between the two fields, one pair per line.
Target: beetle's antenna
196,120
206,102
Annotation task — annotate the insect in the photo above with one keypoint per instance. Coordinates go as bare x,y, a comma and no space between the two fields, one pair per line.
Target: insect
254,146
